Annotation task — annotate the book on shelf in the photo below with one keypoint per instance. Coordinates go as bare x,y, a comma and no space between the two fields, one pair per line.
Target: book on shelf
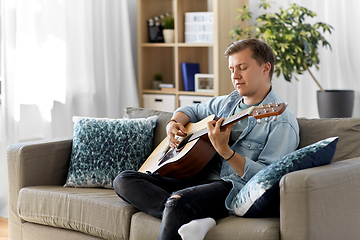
166,85
188,73
167,89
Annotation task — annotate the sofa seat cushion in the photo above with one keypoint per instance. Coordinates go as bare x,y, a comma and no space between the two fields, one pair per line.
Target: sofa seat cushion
144,226
95,211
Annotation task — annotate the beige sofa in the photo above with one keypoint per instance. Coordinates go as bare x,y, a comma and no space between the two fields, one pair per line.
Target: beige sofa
317,203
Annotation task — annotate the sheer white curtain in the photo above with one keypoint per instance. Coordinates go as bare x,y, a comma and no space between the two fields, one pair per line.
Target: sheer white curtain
63,58
338,68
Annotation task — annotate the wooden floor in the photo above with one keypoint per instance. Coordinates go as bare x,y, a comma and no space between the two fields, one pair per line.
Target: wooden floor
4,235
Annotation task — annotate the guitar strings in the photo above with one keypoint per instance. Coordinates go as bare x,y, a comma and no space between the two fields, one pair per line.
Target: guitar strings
230,119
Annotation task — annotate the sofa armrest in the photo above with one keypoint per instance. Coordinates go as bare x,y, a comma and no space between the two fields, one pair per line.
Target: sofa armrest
31,164
321,202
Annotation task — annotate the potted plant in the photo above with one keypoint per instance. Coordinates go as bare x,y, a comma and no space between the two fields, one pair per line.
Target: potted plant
168,28
157,81
295,44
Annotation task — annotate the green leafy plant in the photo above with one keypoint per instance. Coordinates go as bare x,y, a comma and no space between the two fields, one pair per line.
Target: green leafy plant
157,77
168,22
294,41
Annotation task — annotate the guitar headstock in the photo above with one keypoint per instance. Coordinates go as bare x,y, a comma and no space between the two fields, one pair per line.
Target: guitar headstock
268,110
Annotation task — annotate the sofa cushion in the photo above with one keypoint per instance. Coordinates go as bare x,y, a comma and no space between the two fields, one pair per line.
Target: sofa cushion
34,231
94,211
347,129
163,118
102,148
227,228
260,197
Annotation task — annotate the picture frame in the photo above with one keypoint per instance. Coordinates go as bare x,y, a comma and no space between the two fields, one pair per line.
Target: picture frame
204,82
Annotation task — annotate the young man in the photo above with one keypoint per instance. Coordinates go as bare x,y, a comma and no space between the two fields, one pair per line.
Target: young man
243,149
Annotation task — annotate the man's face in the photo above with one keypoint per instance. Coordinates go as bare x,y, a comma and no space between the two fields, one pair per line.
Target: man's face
250,79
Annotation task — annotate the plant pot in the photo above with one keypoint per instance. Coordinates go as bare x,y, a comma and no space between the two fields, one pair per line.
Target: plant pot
156,84
335,103
168,35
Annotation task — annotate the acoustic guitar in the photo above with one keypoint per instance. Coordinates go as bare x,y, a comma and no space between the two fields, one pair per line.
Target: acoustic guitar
196,150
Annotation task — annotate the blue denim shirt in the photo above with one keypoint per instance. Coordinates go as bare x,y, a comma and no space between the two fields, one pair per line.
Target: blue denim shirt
261,143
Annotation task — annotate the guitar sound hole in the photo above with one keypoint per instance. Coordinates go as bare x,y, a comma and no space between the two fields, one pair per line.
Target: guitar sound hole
169,155
184,141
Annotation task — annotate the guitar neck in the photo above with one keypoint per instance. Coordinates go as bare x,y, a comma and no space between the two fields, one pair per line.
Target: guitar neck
233,118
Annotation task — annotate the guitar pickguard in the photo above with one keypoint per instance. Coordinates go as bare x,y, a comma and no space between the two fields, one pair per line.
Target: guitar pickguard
169,155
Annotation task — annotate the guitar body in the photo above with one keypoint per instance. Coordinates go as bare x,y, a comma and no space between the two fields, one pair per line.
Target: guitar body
185,162
196,150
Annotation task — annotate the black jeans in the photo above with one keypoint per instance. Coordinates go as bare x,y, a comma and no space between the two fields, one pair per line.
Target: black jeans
174,201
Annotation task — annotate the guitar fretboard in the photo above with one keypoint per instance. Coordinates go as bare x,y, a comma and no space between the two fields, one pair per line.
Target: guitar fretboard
238,116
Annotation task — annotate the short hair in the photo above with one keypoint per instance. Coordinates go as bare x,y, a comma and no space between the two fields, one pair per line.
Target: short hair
261,51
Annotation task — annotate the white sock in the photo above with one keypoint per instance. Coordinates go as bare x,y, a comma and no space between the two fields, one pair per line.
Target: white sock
196,229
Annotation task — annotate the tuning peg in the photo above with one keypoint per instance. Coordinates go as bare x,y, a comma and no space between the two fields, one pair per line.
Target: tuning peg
274,118
258,121
266,119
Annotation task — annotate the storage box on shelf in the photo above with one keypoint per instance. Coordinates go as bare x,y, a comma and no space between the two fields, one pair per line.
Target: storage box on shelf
162,102
166,58
191,100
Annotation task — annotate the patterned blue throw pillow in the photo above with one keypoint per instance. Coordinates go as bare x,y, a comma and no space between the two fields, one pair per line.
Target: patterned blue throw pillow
260,197
102,148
